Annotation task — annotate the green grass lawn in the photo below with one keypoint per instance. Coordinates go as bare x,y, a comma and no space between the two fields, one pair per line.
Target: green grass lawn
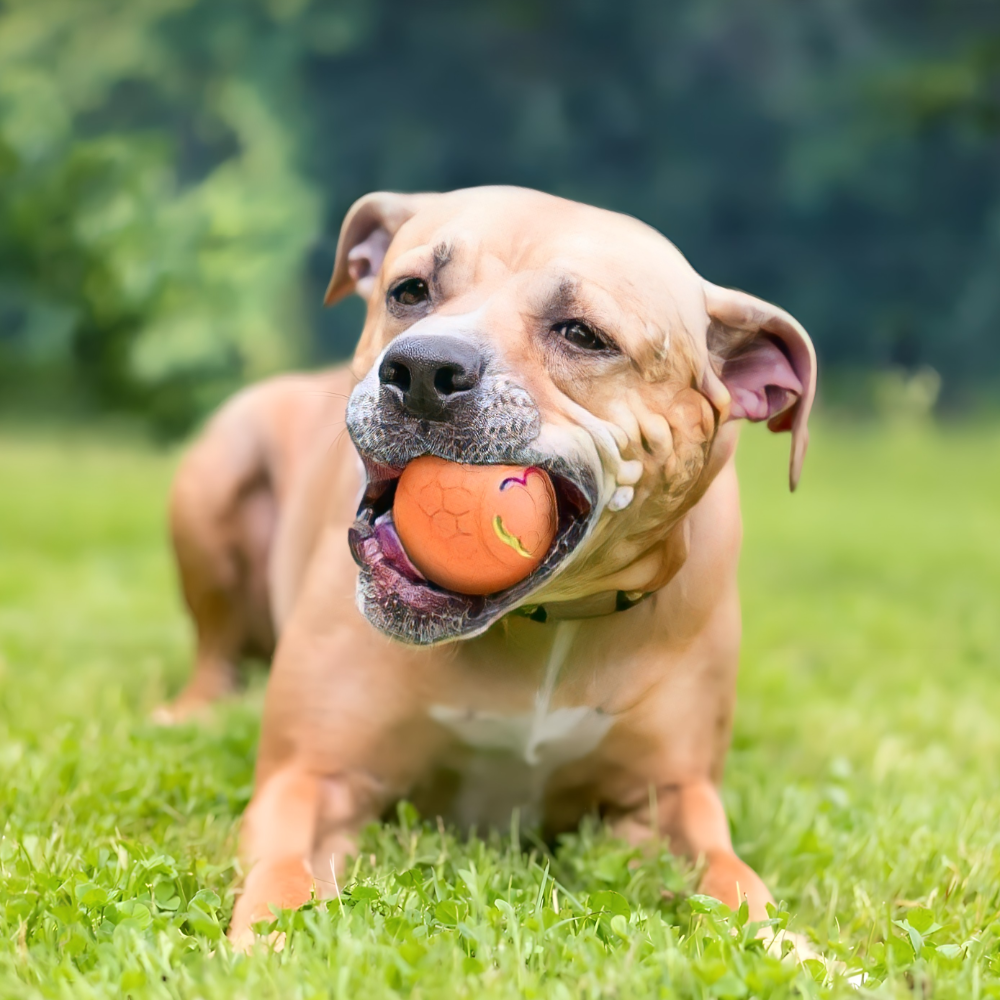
862,784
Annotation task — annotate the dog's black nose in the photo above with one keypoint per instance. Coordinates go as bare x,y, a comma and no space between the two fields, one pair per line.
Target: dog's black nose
431,373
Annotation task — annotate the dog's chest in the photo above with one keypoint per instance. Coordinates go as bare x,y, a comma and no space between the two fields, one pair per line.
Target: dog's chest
505,761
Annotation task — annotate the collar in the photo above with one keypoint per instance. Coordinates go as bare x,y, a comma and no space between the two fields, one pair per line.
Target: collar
596,606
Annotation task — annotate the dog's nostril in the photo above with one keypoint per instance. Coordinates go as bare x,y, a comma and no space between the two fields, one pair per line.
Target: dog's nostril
430,374
450,379
393,373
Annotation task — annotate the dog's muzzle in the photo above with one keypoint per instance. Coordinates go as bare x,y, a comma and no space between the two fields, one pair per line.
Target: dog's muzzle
433,377
445,395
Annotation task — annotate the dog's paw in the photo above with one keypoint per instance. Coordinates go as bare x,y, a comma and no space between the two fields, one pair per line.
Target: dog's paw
244,940
174,713
800,950
797,948
164,715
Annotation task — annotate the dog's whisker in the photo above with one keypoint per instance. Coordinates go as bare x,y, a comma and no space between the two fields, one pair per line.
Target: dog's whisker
328,393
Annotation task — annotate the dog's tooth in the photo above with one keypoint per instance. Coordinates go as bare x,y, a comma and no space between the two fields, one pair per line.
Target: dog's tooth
621,498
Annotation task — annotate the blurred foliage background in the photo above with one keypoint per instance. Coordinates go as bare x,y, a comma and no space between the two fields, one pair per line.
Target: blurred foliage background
173,172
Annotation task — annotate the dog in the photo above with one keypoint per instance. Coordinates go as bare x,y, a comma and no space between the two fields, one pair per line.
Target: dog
504,326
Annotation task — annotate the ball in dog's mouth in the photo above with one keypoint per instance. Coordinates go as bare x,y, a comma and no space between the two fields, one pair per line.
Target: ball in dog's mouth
419,592
474,529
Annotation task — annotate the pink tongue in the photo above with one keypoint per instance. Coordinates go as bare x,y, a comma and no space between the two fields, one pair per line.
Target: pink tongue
392,548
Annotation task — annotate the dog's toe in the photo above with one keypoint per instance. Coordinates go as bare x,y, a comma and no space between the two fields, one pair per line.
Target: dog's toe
801,950
173,713
163,715
244,940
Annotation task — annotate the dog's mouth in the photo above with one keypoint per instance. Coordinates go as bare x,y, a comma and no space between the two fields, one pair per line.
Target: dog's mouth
398,599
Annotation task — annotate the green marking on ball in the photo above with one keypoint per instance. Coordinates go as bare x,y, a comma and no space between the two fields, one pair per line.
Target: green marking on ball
508,539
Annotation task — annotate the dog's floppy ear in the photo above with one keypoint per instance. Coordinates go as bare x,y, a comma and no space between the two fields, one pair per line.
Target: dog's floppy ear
368,229
762,366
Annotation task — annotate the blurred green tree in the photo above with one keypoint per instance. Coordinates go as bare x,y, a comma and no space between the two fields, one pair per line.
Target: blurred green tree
152,219
173,172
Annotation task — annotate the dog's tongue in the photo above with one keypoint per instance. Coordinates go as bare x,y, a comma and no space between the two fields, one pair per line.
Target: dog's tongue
392,549
394,574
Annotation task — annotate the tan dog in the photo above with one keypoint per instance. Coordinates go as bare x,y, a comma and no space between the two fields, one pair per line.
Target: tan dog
504,326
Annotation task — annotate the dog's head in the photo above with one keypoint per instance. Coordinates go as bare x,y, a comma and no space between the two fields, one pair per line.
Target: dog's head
507,326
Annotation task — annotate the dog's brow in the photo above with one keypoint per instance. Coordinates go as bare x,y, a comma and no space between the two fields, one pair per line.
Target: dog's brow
564,298
442,255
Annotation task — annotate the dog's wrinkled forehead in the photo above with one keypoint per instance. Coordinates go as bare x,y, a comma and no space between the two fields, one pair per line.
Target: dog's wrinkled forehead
550,258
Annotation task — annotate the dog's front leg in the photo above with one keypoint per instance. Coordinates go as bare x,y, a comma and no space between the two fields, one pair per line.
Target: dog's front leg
704,829
691,815
277,838
297,827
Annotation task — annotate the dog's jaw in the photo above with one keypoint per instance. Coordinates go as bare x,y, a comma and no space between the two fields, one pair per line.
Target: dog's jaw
502,428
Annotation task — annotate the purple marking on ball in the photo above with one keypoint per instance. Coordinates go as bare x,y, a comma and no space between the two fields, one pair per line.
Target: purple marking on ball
520,480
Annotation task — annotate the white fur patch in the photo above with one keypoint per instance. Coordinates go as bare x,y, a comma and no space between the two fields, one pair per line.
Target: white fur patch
561,735
515,755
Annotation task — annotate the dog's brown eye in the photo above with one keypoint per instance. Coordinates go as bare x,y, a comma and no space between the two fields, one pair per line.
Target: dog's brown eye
410,292
581,334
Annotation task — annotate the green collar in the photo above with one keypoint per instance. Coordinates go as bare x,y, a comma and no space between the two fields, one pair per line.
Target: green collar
597,606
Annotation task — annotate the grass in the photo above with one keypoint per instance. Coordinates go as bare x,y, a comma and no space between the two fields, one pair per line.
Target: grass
862,783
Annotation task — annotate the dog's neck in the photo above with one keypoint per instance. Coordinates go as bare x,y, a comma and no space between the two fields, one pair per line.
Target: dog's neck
673,552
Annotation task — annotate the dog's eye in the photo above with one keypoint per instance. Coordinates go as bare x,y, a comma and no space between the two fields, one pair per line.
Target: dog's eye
410,292
581,334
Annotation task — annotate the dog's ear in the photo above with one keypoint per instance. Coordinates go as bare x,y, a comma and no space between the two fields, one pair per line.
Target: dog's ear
762,366
368,229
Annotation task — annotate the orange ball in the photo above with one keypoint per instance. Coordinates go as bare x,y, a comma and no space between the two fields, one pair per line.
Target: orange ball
474,529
